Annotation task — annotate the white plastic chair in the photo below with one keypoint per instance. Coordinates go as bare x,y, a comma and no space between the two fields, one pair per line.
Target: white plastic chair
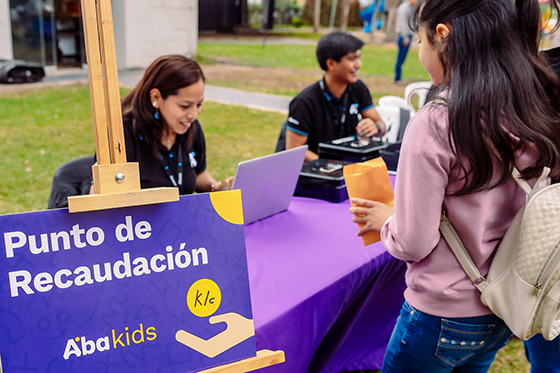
398,102
419,88
391,116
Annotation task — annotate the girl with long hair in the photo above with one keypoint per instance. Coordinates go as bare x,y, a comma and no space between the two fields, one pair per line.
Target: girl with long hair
493,88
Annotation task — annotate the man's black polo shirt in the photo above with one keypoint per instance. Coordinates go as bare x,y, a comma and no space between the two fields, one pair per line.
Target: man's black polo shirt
318,114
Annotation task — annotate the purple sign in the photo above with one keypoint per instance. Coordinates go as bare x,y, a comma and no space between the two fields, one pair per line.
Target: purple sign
159,288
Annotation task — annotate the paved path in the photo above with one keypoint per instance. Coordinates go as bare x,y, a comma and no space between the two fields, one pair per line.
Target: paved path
129,78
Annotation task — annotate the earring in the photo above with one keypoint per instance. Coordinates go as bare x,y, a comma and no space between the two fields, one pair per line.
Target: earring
156,115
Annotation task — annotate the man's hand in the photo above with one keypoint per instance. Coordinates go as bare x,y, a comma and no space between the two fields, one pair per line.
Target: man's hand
367,128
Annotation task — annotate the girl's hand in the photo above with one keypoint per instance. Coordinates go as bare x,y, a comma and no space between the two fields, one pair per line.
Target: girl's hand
372,214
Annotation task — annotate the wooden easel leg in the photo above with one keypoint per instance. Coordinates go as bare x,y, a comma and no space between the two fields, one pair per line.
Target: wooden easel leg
264,358
95,74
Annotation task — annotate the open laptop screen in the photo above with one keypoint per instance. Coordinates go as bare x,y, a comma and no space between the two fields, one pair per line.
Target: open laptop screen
268,183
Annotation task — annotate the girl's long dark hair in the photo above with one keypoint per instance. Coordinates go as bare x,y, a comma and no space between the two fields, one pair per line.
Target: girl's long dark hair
168,74
495,76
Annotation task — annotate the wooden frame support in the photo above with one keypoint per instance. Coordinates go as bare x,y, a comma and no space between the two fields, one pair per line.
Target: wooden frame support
116,183
264,358
93,202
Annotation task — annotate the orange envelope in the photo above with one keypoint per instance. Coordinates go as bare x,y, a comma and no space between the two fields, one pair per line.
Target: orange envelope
369,180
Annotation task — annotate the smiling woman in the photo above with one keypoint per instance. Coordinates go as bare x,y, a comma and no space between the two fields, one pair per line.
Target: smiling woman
162,132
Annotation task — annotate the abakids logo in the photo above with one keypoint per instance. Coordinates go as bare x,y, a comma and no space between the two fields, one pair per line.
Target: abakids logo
81,346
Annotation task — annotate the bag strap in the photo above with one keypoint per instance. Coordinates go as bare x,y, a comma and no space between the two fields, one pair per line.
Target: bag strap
516,174
450,234
456,245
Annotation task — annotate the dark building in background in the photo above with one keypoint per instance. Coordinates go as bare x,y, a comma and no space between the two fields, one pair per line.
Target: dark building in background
47,32
222,15
227,15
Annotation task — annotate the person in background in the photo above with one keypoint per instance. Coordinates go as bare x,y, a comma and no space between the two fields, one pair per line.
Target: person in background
339,105
544,355
161,129
402,28
490,91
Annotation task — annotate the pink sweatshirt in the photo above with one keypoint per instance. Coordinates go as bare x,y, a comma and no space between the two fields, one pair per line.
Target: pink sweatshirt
427,174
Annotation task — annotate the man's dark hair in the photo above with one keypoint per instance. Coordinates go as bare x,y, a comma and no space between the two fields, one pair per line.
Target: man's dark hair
336,45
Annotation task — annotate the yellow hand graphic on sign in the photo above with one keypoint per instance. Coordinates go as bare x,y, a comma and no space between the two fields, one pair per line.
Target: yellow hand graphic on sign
238,329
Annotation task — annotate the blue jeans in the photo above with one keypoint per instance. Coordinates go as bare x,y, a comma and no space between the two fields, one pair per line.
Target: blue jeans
543,355
425,343
401,57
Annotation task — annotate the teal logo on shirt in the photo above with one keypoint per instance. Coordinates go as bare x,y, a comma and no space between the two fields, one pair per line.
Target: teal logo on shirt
194,163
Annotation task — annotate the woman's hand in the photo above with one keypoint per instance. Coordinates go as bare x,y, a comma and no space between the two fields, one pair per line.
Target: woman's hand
223,185
372,214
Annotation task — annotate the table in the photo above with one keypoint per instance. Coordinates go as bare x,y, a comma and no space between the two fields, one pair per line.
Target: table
318,294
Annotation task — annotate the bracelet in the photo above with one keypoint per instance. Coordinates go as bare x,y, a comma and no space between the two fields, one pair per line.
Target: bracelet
212,187
379,131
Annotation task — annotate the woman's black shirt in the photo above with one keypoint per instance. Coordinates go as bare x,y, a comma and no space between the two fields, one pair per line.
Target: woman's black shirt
152,173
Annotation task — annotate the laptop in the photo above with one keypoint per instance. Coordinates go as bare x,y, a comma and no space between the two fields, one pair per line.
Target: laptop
268,183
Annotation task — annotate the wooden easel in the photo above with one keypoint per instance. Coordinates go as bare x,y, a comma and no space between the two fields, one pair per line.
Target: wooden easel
117,182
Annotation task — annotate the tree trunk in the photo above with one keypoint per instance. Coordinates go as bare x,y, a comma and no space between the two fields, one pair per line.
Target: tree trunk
333,13
390,33
344,10
317,16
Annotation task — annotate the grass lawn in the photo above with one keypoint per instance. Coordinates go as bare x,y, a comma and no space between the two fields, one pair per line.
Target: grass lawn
288,69
511,359
41,130
377,60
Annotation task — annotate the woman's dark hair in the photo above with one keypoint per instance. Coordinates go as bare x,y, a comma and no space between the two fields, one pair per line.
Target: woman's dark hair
168,74
495,76
336,45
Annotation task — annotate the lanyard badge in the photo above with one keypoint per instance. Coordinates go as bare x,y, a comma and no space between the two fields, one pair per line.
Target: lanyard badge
179,181
333,106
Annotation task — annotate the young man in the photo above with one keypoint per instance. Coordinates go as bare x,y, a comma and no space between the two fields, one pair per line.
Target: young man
338,105
402,27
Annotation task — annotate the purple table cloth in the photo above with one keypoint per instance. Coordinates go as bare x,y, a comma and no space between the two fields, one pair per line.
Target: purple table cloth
318,294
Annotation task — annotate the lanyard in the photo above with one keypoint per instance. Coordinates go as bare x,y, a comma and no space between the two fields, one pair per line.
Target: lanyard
333,106
179,181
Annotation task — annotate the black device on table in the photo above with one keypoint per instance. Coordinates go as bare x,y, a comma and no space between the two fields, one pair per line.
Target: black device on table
352,149
322,179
